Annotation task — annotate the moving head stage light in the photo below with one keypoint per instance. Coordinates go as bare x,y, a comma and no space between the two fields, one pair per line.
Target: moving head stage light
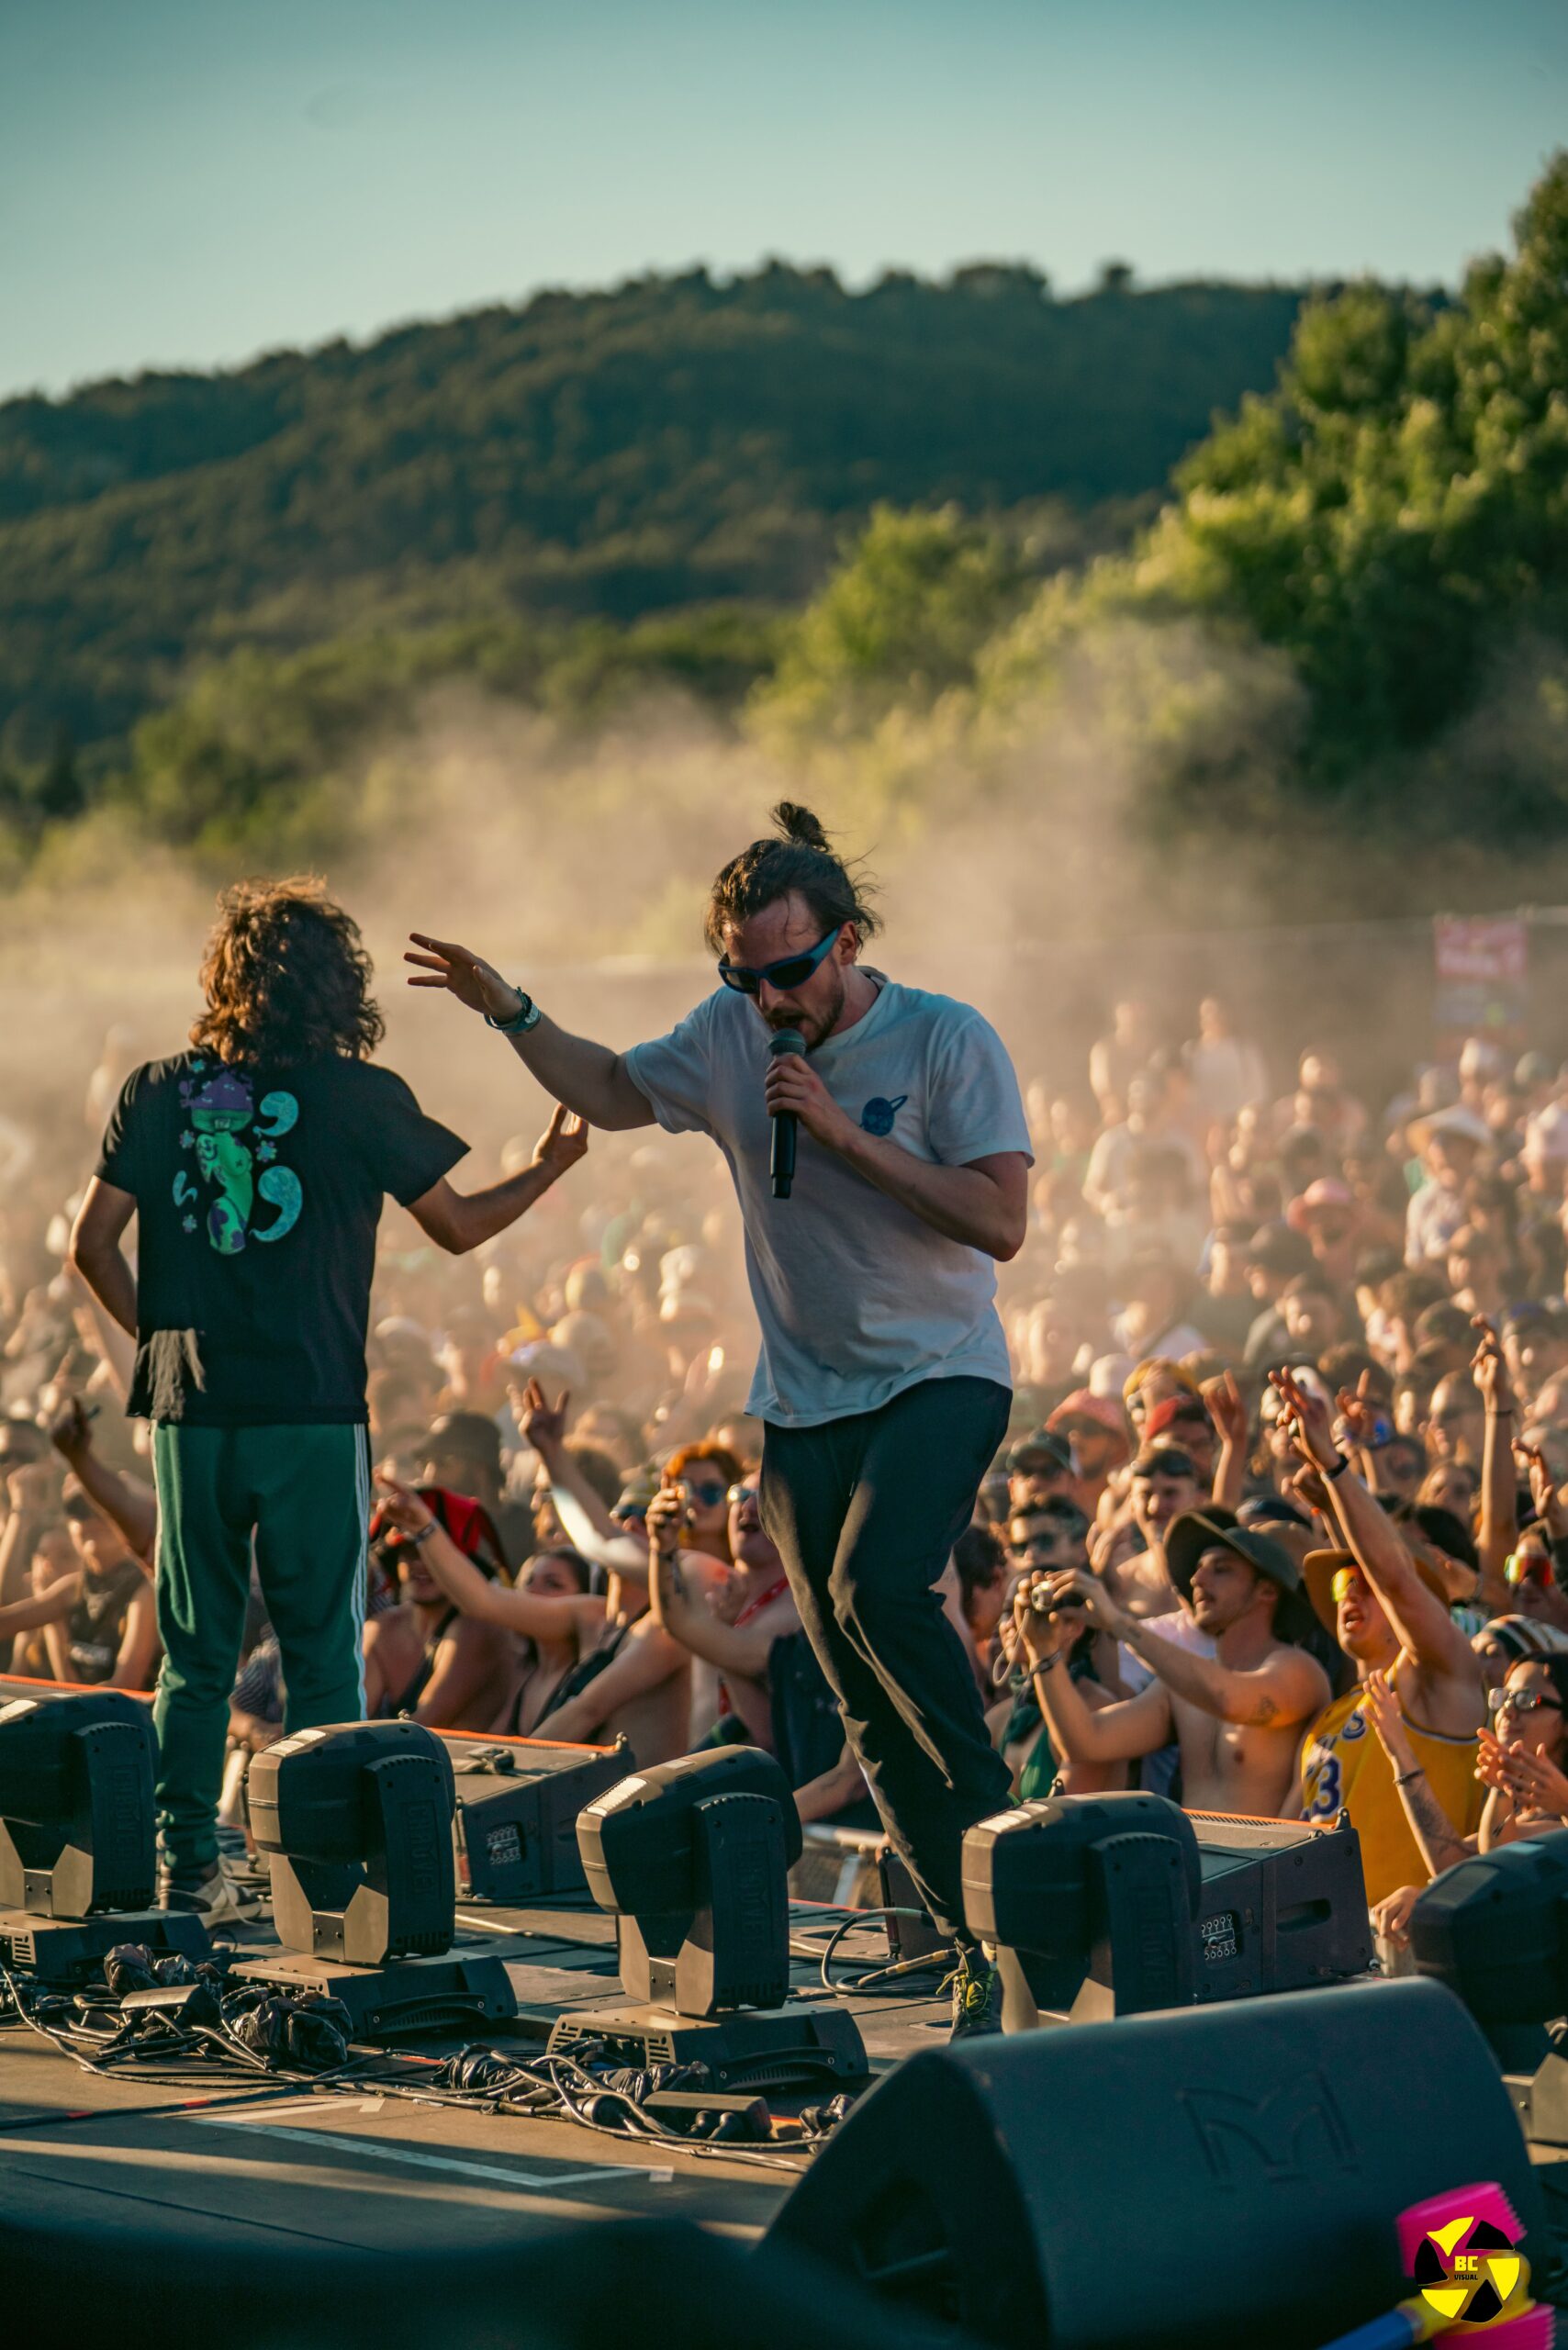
692,1859
77,1849
356,1821
1121,1904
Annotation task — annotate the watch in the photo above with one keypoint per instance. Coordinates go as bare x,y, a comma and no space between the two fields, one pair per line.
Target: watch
526,1015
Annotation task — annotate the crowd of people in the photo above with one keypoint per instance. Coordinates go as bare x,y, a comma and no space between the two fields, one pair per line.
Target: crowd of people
1277,1529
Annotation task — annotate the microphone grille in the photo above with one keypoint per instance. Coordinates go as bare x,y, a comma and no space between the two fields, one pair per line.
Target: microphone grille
785,1040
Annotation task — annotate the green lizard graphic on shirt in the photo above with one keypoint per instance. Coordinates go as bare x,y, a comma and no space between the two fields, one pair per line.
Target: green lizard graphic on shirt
221,1110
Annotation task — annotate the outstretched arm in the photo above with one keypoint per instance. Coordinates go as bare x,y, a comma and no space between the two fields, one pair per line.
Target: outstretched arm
588,1077
1499,1484
1418,1617
458,1221
542,1617
1289,1687
130,1507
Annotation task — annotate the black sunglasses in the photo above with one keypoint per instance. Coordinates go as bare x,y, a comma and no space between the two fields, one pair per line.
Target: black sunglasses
791,971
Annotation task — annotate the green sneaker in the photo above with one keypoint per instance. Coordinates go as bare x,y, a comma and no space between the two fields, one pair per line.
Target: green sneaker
976,1997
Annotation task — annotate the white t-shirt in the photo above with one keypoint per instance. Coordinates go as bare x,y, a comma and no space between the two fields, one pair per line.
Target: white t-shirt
857,1298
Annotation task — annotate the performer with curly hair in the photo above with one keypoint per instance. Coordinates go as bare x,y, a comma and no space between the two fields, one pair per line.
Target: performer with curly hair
255,1164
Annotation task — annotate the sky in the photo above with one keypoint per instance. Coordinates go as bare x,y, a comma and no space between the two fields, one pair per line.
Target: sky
184,182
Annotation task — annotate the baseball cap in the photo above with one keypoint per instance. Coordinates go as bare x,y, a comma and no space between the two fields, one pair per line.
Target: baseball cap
1176,1411
1325,1195
1100,1411
1041,1449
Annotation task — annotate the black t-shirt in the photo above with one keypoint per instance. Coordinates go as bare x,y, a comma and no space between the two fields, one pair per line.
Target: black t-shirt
96,1626
258,1192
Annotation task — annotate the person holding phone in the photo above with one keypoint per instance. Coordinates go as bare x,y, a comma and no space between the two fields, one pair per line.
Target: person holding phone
883,1379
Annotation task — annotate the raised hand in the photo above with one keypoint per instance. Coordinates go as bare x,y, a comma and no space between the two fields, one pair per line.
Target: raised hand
538,1425
69,1430
401,1507
1549,1504
1310,1426
565,1139
1489,1369
442,963
1228,1409
666,1517
1042,1636
1380,1706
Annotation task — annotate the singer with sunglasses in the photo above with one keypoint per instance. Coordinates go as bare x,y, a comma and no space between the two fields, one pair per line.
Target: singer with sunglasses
883,1378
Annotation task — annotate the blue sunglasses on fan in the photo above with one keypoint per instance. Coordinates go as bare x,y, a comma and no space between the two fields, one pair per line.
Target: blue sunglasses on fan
791,971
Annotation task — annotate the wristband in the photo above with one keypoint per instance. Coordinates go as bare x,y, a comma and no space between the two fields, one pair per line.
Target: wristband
526,1015
1332,1473
1403,1778
1044,1663
422,1534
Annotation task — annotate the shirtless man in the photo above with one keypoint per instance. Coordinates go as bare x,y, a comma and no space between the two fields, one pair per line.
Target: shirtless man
733,1626
1236,1716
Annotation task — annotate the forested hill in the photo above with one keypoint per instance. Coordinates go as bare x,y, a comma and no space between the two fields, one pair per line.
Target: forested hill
674,441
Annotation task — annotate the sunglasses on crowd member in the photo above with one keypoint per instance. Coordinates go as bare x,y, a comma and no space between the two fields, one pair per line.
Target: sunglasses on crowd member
790,971
1346,1580
1527,1566
706,1496
739,1493
1519,1701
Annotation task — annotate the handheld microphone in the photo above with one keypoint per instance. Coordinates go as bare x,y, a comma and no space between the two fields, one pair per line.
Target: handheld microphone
781,1159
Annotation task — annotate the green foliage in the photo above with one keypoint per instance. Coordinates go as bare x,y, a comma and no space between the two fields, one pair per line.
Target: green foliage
268,748
1392,524
899,622
607,455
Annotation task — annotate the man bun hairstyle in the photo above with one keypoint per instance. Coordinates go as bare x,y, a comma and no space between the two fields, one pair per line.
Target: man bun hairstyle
798,861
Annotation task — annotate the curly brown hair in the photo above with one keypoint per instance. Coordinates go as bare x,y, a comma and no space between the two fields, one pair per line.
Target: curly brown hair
285,976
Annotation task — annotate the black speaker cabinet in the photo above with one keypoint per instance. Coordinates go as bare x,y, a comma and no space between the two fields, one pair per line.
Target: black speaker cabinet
517,1814
1226,2174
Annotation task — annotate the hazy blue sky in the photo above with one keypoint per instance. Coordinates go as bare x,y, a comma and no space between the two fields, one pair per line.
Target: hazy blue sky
187,182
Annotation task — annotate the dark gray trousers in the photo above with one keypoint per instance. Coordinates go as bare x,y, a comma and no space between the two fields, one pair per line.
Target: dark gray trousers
864,1511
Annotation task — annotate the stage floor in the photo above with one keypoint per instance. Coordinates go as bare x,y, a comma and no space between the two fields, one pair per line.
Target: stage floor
244,2165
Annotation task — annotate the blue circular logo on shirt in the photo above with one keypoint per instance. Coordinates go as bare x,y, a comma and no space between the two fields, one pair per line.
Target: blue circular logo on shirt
878,1116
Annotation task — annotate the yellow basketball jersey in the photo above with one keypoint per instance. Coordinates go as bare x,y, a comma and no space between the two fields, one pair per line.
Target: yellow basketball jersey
1343,1767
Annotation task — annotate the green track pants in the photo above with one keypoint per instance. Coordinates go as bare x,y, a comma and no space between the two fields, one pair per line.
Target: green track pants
298,1498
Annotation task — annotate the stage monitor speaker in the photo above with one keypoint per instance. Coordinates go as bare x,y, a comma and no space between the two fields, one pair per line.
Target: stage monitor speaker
77,1816
1230,2174
1283,1906
518,1805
